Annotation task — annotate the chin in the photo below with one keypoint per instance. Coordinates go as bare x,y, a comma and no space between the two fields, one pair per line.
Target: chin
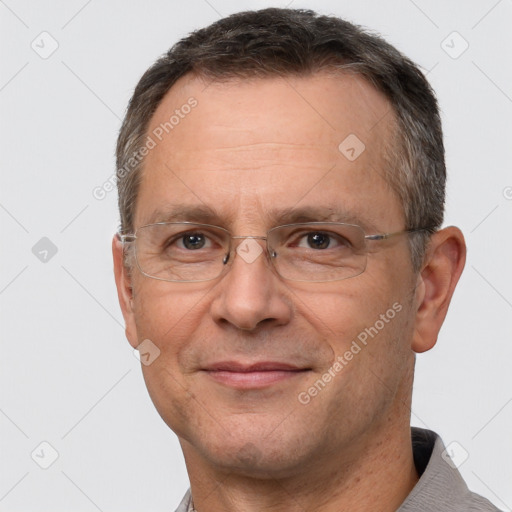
256,461
279,455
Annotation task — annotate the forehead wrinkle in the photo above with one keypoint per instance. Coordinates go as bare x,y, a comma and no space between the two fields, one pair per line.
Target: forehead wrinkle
252,145
204,214
254,155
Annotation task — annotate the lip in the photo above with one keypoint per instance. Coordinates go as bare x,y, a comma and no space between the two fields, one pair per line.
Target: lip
261,366
252,376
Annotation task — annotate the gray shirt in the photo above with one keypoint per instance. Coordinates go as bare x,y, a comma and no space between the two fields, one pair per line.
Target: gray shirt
439,489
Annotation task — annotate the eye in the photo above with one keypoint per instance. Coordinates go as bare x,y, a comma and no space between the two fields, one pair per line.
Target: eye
193,241
320,240
190,241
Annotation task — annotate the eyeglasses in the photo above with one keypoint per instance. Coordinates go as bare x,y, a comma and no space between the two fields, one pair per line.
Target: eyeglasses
312,251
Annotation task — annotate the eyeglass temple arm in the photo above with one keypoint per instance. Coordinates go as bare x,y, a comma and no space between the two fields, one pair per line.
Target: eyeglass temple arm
126,238
385,236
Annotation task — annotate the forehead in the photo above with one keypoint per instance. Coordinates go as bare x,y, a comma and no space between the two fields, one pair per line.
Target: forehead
243,146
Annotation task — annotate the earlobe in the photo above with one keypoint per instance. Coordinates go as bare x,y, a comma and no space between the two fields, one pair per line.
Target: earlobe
444,262
124,290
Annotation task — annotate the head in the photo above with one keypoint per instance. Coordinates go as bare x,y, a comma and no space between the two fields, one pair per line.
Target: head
242,125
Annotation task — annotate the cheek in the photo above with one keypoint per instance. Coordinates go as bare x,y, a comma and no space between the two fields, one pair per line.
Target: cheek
368,328
162,308
169,317
342,310
372,357
172,396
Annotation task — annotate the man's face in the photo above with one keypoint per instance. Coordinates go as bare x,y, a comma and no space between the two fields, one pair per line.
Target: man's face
251,152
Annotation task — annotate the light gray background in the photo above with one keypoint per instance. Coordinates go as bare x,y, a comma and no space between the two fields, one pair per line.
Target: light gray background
69,377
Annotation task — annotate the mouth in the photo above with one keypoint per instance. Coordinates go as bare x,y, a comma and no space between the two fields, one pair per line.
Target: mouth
253,376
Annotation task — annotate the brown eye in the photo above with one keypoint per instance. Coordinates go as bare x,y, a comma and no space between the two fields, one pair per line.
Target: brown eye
193,241
318,240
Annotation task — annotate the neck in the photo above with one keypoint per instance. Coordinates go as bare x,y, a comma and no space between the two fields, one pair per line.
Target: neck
380,478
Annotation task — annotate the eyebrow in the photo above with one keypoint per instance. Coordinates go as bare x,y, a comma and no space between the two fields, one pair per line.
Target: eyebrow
318,214
203,214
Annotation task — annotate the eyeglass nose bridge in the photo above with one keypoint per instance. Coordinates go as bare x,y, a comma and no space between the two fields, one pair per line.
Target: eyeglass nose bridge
270,250
249,236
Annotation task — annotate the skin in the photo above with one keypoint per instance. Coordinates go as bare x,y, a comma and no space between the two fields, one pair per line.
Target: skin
250,148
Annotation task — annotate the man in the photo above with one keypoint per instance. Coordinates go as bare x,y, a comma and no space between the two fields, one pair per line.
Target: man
281,188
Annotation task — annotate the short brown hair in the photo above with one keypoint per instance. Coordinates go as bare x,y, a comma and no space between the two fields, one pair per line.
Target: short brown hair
283,42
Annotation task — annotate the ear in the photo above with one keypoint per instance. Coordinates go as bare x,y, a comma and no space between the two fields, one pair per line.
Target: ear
444,262
124,290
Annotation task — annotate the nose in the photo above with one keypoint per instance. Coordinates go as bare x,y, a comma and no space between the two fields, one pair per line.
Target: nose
251,294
